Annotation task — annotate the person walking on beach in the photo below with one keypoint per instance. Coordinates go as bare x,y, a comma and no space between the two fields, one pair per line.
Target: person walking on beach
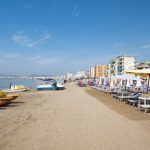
10,85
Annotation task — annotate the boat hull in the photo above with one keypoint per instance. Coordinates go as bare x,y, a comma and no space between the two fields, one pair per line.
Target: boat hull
45,88
54,86
4,101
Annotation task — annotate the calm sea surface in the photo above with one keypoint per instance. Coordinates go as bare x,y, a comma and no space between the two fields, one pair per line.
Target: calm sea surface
4,83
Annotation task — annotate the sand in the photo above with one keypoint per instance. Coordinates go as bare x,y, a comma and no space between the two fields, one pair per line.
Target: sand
73,119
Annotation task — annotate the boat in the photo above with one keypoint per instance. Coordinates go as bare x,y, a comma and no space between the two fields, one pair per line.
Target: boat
19,88
51,85
7,99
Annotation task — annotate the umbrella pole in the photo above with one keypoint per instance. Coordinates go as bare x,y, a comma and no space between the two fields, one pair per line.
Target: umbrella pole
148,83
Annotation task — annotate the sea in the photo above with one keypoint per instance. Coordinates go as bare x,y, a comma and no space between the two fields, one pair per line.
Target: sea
30,83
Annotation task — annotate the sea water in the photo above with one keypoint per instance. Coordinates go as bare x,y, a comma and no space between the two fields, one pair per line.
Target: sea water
30,83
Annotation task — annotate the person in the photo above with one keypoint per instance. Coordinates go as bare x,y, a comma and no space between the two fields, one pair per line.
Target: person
10,85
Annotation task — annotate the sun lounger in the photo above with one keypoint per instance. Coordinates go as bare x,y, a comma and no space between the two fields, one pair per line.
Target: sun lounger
127,96
120,94
144,107
133,102
145,104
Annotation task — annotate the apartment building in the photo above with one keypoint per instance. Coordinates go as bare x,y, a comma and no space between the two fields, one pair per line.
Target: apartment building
100,71
144,65
121,64
92,72
80,74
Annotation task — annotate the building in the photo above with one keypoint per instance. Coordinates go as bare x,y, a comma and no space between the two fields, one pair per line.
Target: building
145,65
80,74
113,67
69,76
92,72
121,64
100,71
108,71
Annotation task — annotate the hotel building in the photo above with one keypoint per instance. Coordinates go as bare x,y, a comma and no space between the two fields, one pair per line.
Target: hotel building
121,64
145,65
92,72
100,71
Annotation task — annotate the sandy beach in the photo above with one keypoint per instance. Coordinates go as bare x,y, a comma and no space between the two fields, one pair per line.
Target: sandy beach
73,119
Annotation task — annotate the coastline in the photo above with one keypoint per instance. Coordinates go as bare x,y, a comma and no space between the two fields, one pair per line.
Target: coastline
71,120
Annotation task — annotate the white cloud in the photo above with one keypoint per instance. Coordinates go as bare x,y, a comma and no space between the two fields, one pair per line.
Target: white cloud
146,46
76,10
42,60
42,39
22,39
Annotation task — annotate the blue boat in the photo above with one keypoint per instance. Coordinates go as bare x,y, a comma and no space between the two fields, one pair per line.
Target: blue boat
51,85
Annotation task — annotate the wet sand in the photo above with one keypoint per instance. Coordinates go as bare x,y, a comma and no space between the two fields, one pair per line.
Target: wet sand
73,119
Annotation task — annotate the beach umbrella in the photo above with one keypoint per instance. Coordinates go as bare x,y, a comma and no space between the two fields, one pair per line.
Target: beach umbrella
143,73
138,84
120,83
100,80
105,81
128,83
126,77
111,82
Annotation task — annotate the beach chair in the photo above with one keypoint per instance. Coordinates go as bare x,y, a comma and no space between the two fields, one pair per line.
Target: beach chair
120,94
144,104
134,101
129,96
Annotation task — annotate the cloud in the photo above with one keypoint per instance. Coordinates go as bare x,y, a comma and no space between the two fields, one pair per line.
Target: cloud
22,39
146,46
11,55
42,60
76,10
42,39
116,44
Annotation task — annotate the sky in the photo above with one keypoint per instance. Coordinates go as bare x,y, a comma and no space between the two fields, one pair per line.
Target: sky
57,36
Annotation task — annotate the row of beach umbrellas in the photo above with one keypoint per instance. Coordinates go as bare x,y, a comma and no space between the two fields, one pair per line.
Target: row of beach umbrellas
129,77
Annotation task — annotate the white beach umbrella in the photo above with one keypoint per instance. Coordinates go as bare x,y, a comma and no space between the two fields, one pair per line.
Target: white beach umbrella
128,83
111,82
131,82
143,72
138,84
120,83
105,81
100,80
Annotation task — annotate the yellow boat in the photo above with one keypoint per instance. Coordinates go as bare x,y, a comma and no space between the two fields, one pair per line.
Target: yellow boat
7,99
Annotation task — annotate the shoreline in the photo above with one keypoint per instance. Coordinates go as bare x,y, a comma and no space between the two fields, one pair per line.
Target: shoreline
69,120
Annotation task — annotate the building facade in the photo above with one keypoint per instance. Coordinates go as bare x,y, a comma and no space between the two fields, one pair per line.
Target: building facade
92,72
69,76
100,71
80,74
121,64
145,65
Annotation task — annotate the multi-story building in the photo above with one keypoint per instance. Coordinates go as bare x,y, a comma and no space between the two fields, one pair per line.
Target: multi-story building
108,70
80,74
113,67
121,64
100,71
69,76
92,72
145,65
